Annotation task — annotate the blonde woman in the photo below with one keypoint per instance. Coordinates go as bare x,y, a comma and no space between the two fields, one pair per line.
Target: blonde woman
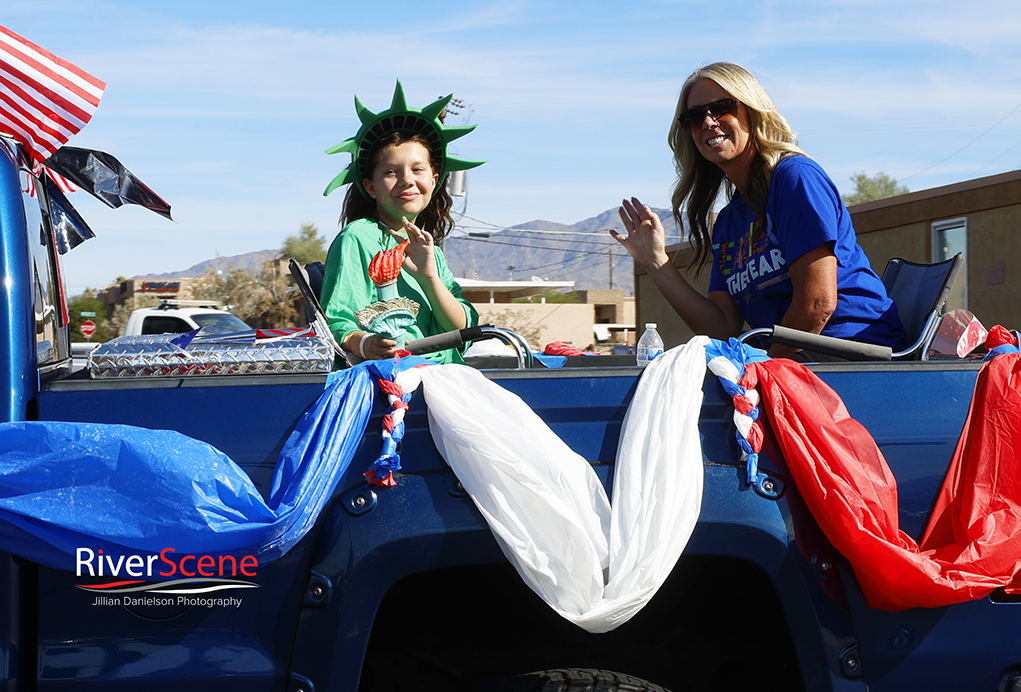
783,250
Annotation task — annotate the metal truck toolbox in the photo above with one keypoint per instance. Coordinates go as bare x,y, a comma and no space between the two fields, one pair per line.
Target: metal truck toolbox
171,355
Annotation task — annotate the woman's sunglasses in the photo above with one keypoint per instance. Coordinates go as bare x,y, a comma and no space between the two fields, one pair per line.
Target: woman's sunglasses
698,113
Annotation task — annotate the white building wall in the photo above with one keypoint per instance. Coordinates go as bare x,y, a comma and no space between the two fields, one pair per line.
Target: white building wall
543,323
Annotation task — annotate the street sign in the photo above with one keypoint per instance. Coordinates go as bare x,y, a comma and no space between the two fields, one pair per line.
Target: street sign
87,314
88,328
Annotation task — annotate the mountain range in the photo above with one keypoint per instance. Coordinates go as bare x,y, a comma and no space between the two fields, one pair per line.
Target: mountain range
251,261
583,252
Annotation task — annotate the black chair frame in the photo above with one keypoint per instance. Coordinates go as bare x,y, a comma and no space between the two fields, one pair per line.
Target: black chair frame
918,290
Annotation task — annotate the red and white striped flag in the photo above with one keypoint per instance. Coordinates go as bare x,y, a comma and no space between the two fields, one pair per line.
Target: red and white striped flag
44,100
65,185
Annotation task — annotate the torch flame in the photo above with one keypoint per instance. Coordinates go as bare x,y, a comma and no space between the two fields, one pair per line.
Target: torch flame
386,265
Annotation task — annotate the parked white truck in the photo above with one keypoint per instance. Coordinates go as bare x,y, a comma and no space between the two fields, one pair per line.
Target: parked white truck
177,316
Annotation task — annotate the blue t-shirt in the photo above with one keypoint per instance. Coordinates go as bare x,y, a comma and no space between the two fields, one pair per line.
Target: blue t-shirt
803,212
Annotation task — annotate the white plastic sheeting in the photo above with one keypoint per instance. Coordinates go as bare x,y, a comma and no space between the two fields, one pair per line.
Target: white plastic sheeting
595,563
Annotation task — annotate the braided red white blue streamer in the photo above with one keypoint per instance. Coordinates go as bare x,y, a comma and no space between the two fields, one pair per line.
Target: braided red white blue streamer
727,361
398,379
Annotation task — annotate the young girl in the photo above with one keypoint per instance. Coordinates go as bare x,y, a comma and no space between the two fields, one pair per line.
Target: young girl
396,194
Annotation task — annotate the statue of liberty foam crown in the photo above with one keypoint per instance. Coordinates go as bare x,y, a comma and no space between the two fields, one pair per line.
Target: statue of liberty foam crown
399,117
391,314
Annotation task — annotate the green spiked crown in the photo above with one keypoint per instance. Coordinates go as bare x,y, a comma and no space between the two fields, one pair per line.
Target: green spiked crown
399,117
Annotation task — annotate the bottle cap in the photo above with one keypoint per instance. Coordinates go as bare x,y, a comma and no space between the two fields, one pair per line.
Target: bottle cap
650,325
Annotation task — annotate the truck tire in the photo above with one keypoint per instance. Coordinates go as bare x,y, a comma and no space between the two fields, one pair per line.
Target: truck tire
581,680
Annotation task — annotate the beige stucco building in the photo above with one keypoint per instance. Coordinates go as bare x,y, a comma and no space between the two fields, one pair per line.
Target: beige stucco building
542,323
130,292
980,218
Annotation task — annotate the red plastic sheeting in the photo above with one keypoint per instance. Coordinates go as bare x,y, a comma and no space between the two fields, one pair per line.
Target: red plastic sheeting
559,348
1000,336
972,544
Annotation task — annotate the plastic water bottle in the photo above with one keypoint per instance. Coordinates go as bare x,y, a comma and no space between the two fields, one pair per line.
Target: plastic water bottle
649,346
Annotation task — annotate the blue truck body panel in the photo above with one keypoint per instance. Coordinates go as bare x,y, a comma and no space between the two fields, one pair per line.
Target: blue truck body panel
18,368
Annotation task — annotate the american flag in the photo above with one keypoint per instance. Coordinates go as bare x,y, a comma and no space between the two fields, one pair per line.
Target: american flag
62,183
44,100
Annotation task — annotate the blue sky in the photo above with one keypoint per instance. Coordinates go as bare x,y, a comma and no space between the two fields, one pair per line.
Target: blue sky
225,107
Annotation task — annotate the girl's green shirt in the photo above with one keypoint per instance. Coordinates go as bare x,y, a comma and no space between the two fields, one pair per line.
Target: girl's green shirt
347,287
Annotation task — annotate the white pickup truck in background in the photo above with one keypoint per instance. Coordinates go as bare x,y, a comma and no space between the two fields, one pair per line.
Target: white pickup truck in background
170,316
177,316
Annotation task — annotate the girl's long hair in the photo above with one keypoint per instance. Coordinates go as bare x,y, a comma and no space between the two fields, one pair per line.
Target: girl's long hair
699,182
435,218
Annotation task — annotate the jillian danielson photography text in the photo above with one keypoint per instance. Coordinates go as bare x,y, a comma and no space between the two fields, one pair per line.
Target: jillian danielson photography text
228,602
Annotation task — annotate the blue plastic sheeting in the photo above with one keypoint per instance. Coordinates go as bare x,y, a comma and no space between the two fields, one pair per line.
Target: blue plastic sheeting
124,489
1000,350
735,351
550,361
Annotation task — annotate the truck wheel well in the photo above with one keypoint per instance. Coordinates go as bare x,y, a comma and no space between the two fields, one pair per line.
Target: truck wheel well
716,622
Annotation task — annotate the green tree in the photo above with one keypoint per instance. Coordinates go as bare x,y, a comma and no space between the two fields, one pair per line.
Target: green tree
307,246
262,299
87,302
119,319
879,186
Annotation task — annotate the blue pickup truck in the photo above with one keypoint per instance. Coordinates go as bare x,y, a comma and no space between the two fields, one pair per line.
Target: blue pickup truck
405,588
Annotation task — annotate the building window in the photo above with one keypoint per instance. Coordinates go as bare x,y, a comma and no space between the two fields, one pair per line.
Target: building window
948,238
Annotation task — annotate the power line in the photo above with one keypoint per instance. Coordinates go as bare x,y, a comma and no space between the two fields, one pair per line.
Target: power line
591,260
966,145
609,240
502,229
510,234
583,256
598,257
552,264
583,259
530,240
601,253
1004,153
536,230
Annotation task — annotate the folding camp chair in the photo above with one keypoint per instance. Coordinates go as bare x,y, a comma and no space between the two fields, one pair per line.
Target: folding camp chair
918,290
310,282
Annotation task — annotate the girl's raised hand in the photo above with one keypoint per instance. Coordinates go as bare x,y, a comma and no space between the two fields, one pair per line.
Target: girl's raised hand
418,258
646,239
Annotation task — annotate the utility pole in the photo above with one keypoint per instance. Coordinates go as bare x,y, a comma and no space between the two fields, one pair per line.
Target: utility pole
609,254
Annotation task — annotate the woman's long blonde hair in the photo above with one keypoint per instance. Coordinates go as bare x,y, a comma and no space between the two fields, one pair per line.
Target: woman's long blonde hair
699,181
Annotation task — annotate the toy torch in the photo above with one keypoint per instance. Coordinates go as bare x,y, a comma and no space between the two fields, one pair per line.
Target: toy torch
391,314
